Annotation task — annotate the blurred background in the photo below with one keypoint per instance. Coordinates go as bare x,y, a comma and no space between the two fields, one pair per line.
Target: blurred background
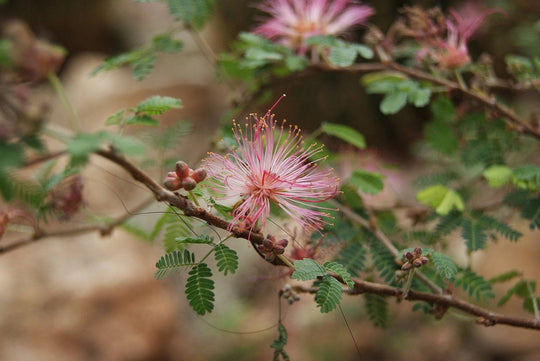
95,298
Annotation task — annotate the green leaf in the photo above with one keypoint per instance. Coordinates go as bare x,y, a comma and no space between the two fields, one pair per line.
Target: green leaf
367,182
377,309
157,105
504,277
497,175
126,144
444,265
116,118
11,156
353,257
279,344
476,285
364,51
531,211
143,66
195,240
329,294
307,269
441,198
199,288
473,234
384,260
527,177
393,103
165,43
443,109
345,133
441,137
192,12
172,262
342,56
141,120
496,225
420,97
339,270
226,258
81,145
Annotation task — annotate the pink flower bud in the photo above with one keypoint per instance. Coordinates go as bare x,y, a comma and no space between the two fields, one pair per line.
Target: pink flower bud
409,256
279,249
406,266
417,252
199,175
418,263
182,169
268,244
172,184
189,183
283,242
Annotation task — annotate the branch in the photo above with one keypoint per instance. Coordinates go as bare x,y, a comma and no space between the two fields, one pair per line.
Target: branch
484,316
518,123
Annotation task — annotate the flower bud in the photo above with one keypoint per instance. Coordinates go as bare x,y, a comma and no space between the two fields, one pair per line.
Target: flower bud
283,242
417,252
406,266
424,260
267,243
199,175
172,184
189,183
182,169
418,263
409,256
279,249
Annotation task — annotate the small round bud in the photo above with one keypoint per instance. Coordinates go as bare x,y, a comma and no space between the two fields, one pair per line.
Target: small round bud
283,242
290,301
182,169
199,175
269,257
409,256
406,266
418,263
189,183
267,243
417,252
172,184
279,249
172,175
424,260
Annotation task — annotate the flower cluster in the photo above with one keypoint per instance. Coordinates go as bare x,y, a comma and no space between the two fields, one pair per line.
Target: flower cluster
293,21
184,177
269,248
270,165
414,259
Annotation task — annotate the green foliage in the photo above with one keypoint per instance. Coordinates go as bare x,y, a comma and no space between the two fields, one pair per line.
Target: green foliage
341,271
443,109
398,90
496,225
522,68
279,344
11,156
448,223
134,229
383,260
367,182
340,53
307,269
344,133
531,211
474,234
143,112
440,136
444,265
525,290
192,12
353,257
441,198
497,175
174,228
226,258
199,288
443,178
475,285
142,59
504,277
377,309
527,177
195,240
172,262
328,295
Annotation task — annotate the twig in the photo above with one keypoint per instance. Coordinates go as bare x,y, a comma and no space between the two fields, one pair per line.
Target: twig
484,316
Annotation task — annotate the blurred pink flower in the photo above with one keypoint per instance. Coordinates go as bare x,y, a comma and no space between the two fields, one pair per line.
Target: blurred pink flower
270,165
293,21
453,53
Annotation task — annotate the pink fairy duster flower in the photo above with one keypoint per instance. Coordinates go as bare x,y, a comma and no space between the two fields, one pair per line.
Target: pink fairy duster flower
270,165
293,21
453,53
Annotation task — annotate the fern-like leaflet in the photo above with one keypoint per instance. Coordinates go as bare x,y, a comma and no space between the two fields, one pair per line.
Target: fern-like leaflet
353,257
329,294
377,309
171,262
475,285
199,288
226,258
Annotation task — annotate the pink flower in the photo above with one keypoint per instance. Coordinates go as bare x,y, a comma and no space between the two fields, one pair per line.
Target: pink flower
270,165
453,53
293,21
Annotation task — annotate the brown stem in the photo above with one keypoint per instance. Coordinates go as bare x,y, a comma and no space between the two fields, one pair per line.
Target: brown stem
442,302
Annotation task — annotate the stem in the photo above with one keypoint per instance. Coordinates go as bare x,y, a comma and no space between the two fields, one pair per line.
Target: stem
407,287
212,250
194,198
535,305
60,91
286,261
